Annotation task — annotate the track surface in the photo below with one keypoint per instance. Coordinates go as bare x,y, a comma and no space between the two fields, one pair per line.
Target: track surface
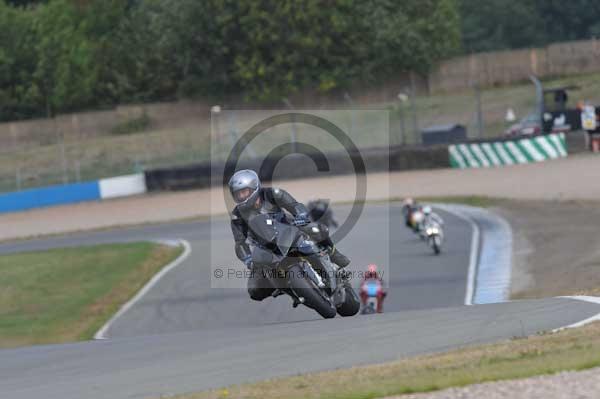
185,336
185,301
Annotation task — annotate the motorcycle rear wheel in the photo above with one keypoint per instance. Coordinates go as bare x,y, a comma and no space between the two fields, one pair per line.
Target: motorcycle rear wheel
351,305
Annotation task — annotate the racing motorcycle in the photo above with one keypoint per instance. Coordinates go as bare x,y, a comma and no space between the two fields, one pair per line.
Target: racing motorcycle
372,290
416,220
434,235
326,291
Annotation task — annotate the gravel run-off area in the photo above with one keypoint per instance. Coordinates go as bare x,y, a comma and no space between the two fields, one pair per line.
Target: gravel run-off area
567,385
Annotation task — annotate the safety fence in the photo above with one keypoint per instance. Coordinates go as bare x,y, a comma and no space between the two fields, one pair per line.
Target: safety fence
509,152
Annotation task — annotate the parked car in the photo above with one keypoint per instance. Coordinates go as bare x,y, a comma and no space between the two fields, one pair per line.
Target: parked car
527,126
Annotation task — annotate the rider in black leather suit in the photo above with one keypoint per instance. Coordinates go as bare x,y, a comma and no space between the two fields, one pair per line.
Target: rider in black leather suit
253,199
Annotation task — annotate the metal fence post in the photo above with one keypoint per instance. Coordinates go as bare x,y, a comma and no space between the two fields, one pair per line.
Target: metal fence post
415,119
60,138
18,177
479,111
293,133
353,124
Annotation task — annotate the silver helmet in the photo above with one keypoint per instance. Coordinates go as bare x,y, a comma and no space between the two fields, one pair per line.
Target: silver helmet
244,187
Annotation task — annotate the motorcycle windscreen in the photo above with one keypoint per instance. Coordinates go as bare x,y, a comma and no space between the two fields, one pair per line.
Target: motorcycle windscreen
273,232
372,288
263,227
286,237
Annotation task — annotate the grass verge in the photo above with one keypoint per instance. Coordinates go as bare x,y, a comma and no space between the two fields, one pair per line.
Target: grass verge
573,349
64,295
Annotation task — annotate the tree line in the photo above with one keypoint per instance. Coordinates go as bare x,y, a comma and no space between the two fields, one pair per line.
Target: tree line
509,24
60,56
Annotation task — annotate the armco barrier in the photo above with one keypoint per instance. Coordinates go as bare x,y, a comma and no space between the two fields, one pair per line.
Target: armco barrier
122,186
296,166
49,196
510,152
72,193
201,175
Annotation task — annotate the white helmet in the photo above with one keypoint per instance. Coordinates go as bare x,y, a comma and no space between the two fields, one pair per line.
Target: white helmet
427,210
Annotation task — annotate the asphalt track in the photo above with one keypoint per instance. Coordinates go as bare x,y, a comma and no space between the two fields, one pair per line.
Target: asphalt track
186,336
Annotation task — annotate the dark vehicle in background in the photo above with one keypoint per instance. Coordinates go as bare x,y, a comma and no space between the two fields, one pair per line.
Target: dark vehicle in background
529,125
553,113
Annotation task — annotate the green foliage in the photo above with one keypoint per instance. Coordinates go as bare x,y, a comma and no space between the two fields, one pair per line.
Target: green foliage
65,73
66,55
135,125
18,97
507,24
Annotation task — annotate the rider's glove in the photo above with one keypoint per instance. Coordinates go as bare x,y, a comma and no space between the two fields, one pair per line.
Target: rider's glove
301,219
248,262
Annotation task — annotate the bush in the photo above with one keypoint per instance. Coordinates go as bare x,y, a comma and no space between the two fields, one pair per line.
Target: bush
135,125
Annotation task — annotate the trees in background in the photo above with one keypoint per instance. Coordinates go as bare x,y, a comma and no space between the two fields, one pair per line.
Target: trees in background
66,55
507,24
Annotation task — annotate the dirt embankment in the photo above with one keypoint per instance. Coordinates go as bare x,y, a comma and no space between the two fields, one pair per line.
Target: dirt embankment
556,247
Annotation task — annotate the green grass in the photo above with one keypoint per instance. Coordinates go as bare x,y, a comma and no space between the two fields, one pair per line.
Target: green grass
64,295
575,349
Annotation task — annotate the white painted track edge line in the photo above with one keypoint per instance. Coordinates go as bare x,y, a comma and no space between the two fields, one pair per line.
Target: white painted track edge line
474,255
581,323
187,250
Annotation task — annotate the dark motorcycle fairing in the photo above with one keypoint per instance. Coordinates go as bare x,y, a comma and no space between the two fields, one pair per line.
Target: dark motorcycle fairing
268,231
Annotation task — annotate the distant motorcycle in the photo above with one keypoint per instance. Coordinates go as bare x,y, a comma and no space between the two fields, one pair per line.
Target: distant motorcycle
434,235
372,292
416,220
328,292
319,211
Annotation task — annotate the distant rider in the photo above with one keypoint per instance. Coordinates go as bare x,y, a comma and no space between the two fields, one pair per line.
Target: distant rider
431,218
408,206
252,199
319,211
371,275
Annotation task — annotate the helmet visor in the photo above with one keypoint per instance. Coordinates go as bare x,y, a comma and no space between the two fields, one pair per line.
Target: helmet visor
242,195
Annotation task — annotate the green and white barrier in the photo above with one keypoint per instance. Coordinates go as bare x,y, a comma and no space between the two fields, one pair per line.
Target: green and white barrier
518,151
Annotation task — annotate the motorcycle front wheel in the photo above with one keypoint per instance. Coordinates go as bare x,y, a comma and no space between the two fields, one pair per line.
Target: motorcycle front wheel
313,298
436,245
